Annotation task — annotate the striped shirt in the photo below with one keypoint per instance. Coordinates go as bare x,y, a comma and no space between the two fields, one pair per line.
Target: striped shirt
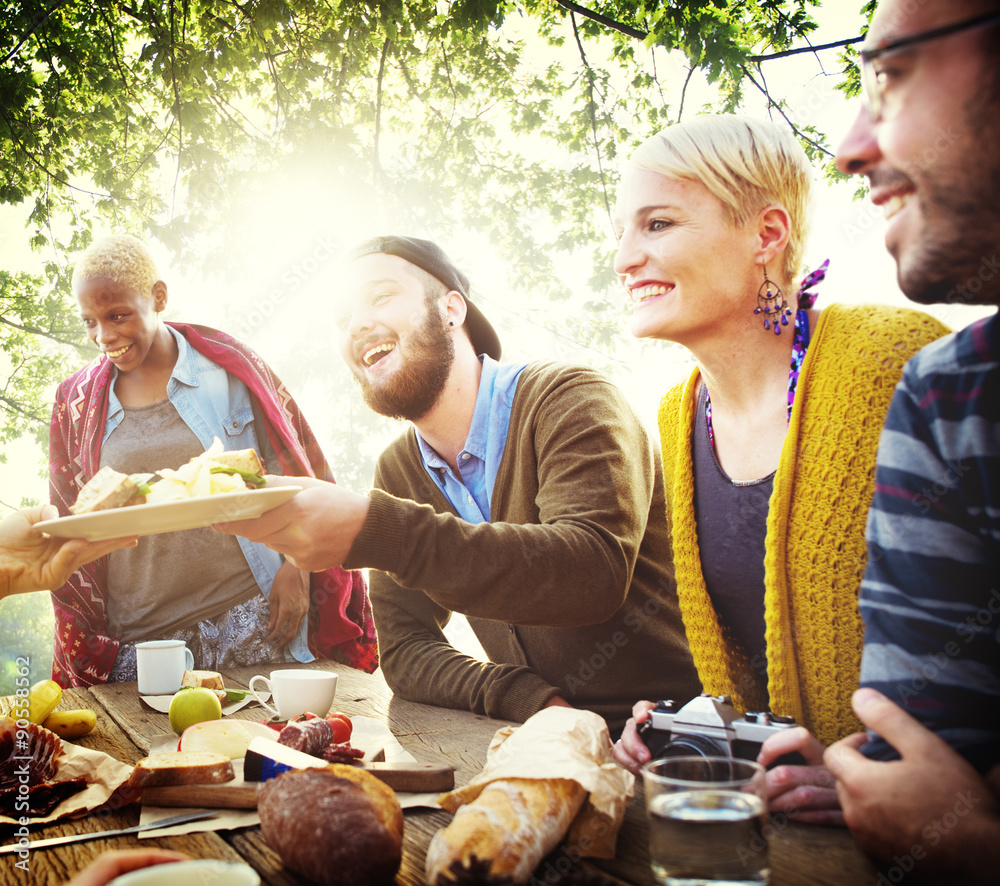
931,593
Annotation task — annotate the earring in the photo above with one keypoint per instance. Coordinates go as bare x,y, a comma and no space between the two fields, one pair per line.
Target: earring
771,302
451,322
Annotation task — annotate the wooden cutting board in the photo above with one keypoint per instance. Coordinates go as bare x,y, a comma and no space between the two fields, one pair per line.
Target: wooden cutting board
242,794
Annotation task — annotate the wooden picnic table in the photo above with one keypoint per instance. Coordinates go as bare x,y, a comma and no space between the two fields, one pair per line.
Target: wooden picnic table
800,854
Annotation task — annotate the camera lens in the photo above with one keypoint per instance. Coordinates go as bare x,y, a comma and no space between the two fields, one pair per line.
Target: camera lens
693,745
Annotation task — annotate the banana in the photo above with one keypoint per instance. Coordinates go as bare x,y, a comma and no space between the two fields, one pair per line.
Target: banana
43,698
71,724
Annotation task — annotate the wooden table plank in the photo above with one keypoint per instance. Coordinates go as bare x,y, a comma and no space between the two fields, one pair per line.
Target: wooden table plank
800,854
137,720
55,865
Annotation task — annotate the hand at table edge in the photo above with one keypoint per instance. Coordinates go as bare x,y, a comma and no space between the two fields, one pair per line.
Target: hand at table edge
930,807
114,863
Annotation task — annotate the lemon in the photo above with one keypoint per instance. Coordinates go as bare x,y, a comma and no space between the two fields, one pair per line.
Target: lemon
190,706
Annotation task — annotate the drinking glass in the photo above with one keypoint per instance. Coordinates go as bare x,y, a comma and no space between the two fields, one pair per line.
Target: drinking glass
707,818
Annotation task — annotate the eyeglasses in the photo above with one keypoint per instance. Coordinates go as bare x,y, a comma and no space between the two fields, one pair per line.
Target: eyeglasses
872,82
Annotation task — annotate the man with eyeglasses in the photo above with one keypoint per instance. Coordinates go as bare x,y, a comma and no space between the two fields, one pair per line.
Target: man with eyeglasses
923,792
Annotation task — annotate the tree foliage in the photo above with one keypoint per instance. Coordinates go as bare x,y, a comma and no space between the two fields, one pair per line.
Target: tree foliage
176,119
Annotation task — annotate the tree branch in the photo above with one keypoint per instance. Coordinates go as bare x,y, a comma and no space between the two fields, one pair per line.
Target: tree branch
627,30
592,104
17,409
630,31
378,108
11,130
773,104
801,49
83,349
684,89
41,21
177,103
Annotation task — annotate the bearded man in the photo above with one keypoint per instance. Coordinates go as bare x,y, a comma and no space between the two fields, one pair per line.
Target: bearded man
526,496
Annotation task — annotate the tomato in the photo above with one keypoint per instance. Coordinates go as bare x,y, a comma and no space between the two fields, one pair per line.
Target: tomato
342,727
277,725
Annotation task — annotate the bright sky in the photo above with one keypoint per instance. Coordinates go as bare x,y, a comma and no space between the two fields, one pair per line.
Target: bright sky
286,283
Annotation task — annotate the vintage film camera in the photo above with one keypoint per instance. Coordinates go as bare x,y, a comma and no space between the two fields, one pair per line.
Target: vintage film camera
709,726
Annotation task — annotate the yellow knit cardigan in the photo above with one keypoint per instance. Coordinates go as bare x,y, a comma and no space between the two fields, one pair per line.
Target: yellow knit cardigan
815,550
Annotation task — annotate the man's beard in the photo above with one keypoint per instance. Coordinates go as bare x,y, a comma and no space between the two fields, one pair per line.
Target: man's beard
956,264
415,387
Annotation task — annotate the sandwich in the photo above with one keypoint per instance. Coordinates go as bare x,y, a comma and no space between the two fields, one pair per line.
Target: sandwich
108,489
240,462
213,472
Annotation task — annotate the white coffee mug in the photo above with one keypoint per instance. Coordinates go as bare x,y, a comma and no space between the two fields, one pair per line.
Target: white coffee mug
296,691
160,665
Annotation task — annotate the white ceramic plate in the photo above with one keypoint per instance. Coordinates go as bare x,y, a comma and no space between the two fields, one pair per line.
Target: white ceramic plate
188,513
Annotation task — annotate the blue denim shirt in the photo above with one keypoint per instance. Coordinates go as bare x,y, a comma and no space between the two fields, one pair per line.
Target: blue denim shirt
479,461
214,404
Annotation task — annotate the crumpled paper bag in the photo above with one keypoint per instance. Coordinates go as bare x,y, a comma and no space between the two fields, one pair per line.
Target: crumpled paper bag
104,776
568,743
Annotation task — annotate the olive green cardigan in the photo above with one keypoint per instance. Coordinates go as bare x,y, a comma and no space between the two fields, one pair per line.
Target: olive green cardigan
569,588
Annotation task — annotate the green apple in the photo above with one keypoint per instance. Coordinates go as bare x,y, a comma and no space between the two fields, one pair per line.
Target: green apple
190,706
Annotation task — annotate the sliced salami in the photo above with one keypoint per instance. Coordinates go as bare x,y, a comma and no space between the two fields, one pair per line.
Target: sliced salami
309,736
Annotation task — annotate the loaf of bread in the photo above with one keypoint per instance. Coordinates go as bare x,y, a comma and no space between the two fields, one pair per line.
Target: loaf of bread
182,767
513,824
337,825
203,679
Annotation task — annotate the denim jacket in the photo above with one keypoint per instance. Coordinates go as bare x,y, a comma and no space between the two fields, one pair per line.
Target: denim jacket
214,404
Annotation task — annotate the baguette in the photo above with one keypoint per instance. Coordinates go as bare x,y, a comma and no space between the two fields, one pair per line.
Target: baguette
182,767
513,824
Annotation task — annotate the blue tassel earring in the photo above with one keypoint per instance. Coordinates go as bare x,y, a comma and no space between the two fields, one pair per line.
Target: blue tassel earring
771,302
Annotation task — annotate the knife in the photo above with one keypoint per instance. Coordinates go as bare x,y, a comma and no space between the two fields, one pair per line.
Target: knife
100,835
265,759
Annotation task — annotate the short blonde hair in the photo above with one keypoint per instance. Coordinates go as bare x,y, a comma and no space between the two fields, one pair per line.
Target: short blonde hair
122,258
746,164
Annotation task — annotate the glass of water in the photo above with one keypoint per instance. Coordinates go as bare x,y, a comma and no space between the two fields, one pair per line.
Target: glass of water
707,818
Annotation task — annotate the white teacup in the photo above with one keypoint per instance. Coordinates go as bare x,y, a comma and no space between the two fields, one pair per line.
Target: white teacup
296,691
160,665
199,872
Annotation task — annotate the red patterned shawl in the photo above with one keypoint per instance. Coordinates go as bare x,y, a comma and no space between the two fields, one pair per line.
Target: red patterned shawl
84,652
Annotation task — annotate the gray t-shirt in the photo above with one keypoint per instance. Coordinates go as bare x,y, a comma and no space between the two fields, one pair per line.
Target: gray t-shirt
732,523
174,579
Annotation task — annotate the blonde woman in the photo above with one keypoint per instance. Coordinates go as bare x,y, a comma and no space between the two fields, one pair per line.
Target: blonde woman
769,446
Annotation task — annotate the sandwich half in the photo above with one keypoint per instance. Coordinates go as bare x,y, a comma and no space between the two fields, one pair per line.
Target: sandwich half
108,489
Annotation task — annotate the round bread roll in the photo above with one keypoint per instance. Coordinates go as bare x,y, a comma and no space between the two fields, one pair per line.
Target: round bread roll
337,825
